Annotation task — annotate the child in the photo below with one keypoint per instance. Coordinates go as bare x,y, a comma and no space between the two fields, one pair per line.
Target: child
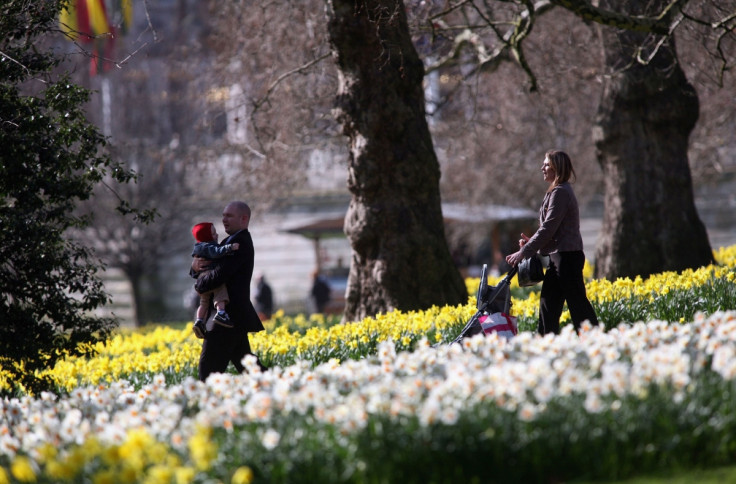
206,247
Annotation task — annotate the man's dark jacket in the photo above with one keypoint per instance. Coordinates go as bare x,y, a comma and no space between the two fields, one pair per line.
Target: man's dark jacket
236,273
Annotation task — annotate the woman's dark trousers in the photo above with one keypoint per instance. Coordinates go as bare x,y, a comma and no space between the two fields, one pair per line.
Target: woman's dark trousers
563,281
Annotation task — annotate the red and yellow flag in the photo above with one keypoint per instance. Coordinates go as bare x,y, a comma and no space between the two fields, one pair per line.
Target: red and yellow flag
83,20
89,22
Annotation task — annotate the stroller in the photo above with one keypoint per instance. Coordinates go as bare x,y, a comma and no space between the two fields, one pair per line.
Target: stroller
494,305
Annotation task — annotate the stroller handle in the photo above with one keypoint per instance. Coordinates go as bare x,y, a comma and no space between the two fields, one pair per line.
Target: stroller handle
511,274
483,286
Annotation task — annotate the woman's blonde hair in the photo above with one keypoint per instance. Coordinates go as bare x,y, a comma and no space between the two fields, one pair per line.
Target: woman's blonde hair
562,165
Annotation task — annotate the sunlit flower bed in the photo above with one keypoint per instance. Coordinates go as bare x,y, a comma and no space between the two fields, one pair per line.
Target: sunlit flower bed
357,402
137,355
557,406
669,296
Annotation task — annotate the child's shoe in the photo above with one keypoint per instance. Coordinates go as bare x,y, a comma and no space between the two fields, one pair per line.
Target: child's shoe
223,319
199,328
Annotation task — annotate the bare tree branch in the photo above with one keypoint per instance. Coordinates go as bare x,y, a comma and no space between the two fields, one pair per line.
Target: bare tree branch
726,27
297,70
661,24
510,41
266,98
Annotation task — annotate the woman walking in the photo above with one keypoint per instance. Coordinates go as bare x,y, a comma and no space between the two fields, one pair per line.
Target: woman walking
558,237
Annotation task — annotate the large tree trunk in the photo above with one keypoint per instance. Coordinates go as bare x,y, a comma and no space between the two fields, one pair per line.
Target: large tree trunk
650,223
394,223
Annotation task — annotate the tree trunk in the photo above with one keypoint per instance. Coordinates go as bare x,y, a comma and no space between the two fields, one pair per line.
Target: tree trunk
650,223
394,223
136,287
148,303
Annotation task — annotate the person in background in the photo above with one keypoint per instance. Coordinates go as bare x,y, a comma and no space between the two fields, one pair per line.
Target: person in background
264,298
205,247
320,292
223,345
559,237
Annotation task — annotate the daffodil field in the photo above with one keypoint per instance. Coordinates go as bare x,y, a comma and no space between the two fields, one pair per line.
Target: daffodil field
385,399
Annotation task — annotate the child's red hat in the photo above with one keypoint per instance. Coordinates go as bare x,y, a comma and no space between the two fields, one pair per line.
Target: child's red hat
203,232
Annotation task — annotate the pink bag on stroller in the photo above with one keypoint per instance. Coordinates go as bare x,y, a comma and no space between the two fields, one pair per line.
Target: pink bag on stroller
500,323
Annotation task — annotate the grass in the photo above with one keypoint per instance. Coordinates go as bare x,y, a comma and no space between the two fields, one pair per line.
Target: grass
720,475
